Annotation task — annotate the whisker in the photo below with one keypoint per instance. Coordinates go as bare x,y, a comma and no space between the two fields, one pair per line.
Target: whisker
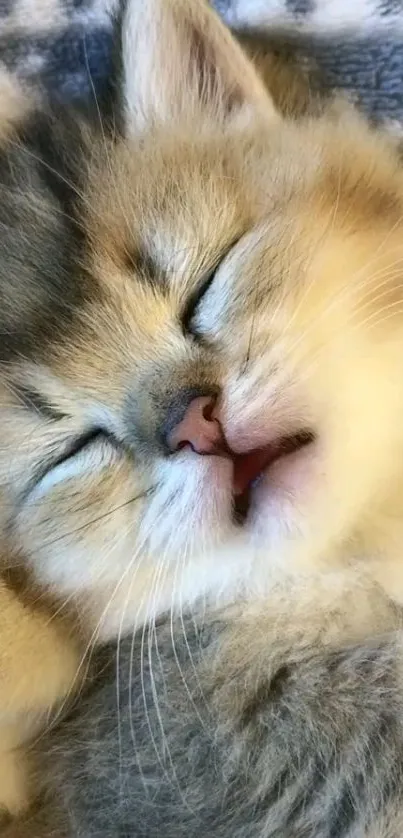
91,643
98,518
177,661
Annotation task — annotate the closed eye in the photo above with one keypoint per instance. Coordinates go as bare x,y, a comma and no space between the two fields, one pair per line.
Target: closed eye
94,449
195,299
80,443
201,289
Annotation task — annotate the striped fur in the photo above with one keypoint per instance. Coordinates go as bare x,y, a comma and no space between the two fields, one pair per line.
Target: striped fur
239,727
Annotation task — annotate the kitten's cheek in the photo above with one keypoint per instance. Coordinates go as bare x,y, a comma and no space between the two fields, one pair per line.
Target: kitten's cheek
80,533
282,496
294,473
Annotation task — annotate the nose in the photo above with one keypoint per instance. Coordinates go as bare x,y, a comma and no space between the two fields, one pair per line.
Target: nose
198,428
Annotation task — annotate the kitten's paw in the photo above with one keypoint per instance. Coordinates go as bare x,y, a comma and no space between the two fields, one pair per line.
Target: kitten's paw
38,660
43,671
55,670
14,785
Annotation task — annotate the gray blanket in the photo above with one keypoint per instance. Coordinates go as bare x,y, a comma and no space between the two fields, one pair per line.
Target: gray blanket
63,45
66,44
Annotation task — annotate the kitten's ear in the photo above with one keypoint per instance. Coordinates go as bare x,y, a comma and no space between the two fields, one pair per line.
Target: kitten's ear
179,61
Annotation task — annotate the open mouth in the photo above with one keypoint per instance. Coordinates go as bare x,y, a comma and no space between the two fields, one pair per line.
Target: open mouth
248,468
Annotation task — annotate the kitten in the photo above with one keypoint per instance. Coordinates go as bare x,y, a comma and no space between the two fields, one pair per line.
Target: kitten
205,276
173,299
202,369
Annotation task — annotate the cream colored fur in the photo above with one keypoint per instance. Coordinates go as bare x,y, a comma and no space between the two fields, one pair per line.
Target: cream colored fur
38,667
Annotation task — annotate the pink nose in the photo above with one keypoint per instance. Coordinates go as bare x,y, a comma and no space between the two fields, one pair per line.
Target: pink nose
198,428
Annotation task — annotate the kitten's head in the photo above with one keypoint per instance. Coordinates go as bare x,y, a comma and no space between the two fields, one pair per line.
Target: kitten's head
201,318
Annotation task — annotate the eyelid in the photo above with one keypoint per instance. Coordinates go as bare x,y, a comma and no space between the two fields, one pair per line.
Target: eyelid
78,444
203,286
73,449
196,297
76,462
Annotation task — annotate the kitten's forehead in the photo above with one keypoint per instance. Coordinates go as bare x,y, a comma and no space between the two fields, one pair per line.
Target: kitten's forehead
103,268
171,205
54,265
102,246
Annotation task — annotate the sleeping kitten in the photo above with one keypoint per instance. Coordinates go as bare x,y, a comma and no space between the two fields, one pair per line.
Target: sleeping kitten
202,375
37,256
174,300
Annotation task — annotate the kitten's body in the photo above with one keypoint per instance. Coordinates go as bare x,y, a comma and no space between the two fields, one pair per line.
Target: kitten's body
300,333
242,724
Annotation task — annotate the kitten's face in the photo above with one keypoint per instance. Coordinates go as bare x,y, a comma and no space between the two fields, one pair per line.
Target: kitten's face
237,277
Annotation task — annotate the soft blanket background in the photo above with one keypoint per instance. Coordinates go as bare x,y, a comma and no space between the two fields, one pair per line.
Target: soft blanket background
66,44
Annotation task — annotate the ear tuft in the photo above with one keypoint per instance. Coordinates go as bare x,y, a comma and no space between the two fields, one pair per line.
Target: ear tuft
206,75
179,61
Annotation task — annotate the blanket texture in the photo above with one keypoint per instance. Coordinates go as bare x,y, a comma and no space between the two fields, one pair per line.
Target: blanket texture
65,45
358,44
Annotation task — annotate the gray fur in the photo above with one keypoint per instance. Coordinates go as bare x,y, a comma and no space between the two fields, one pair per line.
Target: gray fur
309,746
42,283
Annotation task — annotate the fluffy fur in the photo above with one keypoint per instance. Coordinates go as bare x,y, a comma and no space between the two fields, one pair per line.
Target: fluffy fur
198,175
38,667
38,658
126,219
252,723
